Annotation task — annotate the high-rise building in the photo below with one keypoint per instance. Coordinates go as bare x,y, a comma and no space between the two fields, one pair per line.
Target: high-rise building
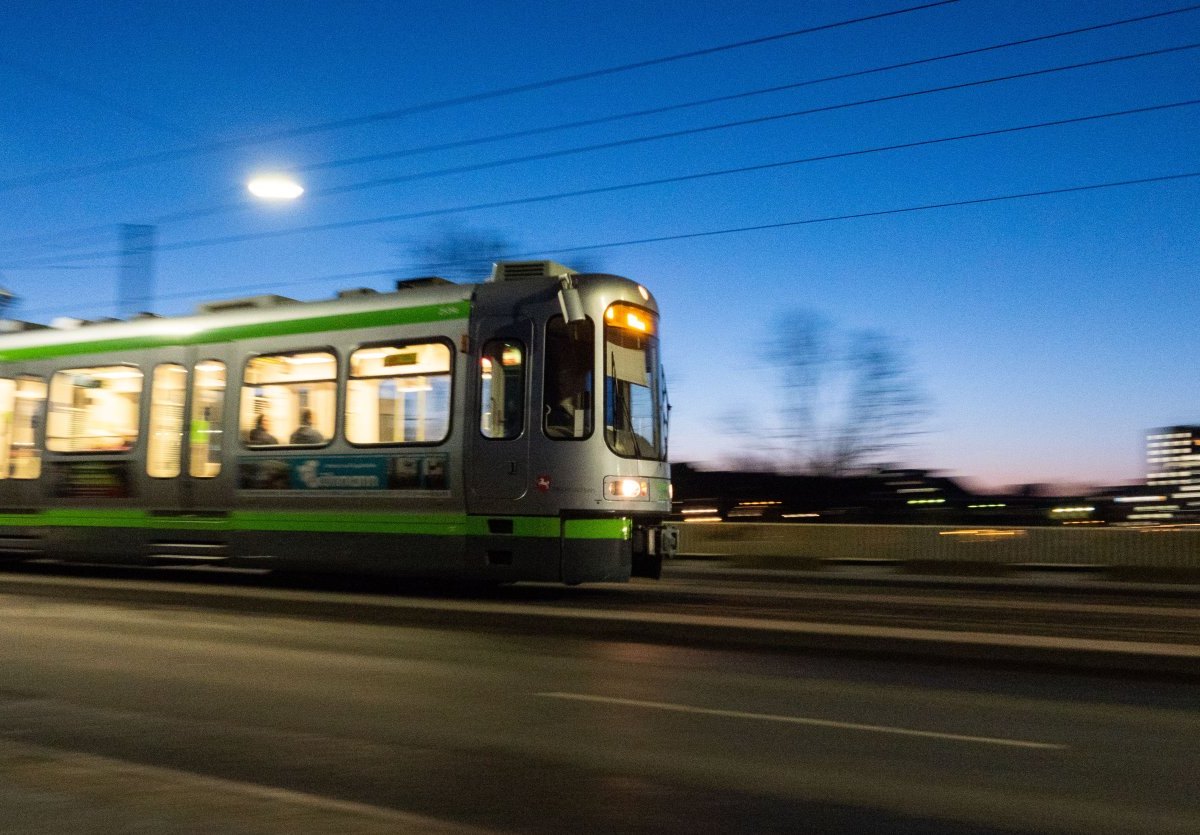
1173,473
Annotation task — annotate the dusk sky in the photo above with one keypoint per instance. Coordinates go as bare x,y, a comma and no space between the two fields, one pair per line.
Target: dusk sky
1048,331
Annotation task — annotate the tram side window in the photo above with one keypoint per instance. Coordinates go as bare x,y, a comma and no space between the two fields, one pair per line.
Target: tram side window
28,407
207,428
94,409
399,394
502,389
289,399
570,363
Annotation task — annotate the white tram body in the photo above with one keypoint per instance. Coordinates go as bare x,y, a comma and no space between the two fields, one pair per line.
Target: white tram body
513,429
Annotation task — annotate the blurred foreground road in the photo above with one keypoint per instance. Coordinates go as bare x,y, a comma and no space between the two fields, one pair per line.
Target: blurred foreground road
135,705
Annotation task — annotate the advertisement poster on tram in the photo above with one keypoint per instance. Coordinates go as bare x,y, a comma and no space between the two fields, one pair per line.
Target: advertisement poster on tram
345,473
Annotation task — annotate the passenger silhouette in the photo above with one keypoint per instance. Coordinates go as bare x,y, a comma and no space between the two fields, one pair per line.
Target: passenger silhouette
260,435
305,433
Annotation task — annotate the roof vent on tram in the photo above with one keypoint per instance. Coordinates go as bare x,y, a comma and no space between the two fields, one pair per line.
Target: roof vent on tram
17,326
357,292
422,281
249,303
519,270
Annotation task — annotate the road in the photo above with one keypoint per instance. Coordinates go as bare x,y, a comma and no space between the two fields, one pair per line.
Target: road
128,705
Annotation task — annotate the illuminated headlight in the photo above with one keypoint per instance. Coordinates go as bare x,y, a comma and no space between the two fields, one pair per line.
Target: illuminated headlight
622,488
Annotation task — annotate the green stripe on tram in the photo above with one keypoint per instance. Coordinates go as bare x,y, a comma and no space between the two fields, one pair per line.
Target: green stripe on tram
252,330
619,528
541,527
427,524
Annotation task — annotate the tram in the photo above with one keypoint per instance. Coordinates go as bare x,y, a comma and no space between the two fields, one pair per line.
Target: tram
511,429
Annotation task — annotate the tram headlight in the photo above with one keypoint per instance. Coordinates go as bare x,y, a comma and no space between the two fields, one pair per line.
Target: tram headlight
624,488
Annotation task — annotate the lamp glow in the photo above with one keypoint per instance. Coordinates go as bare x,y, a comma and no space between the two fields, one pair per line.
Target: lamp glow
275,187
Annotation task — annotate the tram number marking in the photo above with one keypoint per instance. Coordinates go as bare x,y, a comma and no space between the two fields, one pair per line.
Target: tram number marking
543,483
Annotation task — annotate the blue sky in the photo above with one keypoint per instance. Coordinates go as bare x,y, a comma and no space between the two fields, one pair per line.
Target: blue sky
1049,333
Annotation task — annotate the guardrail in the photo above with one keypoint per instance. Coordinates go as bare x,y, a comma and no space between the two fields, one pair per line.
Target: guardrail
782,545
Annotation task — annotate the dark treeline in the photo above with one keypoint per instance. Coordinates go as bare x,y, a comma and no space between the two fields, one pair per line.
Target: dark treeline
881,497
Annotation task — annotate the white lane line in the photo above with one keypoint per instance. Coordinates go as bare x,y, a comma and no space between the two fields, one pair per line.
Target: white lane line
804,720
80,774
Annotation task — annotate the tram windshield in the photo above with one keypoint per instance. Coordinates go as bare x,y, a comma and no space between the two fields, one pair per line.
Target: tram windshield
633,392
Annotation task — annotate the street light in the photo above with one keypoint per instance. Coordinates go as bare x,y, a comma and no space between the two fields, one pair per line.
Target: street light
275,187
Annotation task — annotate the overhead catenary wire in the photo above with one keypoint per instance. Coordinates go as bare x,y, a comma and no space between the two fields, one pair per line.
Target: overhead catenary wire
952,204
655,111
54,79
717,173
562,250
757,120
392,218
214,209
77,172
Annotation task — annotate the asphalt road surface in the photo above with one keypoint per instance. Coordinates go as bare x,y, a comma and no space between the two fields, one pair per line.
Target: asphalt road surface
131,715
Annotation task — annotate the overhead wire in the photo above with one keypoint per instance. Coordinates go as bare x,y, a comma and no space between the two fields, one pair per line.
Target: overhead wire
978,201
392,218
210,210
53,79
757,120
76,172
553,250
655,111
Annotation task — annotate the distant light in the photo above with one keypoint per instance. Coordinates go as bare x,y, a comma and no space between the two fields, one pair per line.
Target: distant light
275,187
986,533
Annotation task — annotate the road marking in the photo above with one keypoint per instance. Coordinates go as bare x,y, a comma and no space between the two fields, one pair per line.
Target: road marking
804,720
674,587
44,776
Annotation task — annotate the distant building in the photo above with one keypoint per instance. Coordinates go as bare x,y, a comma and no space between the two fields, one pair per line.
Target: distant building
1172,477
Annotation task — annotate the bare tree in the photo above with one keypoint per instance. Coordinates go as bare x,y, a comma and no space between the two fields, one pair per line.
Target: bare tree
460,252
464,253
845,399
9,302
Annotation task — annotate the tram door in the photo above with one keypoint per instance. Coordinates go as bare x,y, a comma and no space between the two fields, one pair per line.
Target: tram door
22,413
498,469
210,428
185,440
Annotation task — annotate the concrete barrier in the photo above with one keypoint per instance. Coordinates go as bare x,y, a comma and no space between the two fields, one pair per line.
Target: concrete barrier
781,545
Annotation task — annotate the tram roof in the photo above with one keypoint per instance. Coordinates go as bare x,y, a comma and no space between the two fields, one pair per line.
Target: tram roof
413,303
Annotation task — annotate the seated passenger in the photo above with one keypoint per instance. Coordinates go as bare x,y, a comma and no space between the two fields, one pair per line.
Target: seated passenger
305,433
260,435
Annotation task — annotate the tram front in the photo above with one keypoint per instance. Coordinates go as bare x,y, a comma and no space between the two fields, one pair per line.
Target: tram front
596,468
620,473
